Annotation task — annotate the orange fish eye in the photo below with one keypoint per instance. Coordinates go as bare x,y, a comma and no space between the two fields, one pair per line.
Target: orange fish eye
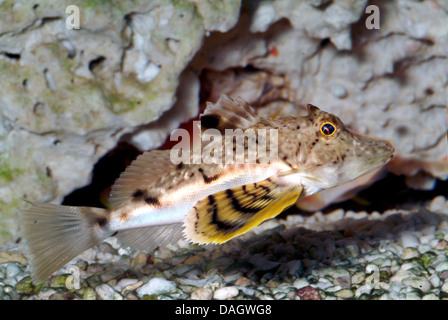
327,129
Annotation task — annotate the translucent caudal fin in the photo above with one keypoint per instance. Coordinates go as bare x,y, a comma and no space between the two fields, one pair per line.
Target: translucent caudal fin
56,234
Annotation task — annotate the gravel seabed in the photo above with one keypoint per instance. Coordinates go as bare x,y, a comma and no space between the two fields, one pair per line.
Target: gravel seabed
401,254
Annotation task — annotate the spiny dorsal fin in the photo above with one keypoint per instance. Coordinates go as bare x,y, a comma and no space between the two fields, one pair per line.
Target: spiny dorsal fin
226,214
150,238
228,113
143,171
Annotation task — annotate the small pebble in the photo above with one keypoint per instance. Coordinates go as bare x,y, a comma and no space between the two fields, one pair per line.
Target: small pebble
437,204
344,293
89,294
442,266
308,293
12,270
125,282
420,283
225,293
133,286
243,282
358,277
430,296
443,226
409,253
141,258
444,287
130,296
156,286
435,281
408,239
412,296
441,244
105,292
202,294
300,283
344,281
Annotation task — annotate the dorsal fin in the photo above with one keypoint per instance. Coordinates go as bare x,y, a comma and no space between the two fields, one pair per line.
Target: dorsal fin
228,113
143,171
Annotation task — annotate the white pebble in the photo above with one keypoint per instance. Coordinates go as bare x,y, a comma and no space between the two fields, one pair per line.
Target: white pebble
124,283
323,284
428,231
225,293
437,203
363,289
443,226
427,238
156,286
400,276
444,287
418,283
358,277
300,283
344,293
336,215
105,292
118,296
435,281
202,294
442,266
409,253
408,239
412,296
430,296
424,248
12,270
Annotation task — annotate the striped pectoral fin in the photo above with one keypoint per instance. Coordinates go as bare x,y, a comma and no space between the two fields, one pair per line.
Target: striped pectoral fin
226,214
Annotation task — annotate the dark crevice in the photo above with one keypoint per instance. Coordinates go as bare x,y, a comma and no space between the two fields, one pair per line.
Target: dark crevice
105,172
10,55
96,63
324,5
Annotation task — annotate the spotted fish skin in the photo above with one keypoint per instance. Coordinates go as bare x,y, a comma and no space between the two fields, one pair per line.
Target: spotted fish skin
156,201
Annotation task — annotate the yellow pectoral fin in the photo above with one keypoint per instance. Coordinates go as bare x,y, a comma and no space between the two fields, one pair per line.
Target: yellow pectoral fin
226,214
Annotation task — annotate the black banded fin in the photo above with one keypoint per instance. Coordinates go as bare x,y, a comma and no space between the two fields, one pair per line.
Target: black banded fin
226,214
143,171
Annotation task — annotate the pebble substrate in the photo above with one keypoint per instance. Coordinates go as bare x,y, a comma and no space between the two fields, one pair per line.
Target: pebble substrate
401,254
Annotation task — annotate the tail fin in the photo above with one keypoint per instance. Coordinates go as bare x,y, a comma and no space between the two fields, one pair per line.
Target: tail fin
56,234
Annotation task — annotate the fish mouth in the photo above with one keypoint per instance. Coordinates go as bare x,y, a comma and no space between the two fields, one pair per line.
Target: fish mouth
379,159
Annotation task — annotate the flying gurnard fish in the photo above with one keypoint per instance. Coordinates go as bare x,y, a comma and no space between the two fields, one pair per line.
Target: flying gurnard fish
155,202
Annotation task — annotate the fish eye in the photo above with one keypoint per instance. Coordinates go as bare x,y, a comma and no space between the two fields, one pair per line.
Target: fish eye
327,129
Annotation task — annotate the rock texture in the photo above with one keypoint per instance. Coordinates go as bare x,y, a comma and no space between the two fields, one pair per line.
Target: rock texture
68,95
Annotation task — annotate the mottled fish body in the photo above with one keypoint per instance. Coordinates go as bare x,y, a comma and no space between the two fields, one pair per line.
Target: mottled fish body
156,201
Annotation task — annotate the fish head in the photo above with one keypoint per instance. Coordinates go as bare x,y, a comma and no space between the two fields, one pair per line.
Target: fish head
331,154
